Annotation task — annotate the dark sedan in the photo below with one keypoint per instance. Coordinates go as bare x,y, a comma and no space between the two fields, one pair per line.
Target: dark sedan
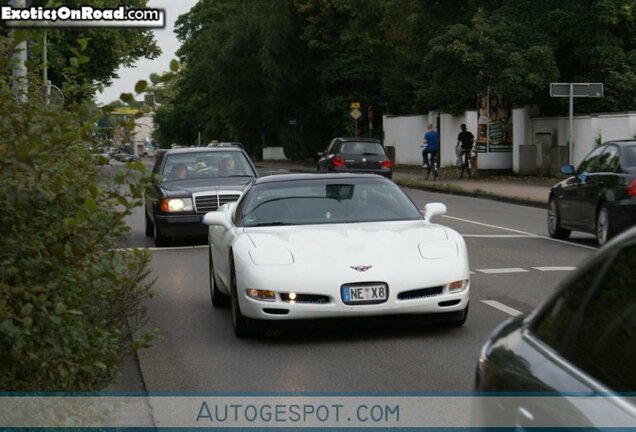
190,182
355,155
580,342
599,197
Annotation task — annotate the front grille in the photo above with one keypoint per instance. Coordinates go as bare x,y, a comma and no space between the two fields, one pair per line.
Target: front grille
420,293
207,203
305,298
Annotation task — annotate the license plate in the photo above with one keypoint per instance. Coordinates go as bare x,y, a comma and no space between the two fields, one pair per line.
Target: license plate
365,294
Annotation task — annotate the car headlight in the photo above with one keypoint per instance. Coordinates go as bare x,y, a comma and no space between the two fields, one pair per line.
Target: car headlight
259,294
174,205
458,286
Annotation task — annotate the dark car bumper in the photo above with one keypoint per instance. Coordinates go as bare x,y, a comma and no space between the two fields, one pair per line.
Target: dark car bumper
181,225
383,172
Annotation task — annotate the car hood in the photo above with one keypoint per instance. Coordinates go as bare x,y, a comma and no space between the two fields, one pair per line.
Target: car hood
206,184
357,243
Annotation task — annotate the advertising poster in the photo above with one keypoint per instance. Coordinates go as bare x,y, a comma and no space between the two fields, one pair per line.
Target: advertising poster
494,123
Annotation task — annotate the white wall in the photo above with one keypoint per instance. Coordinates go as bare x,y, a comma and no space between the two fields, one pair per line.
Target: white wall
405,133
273,153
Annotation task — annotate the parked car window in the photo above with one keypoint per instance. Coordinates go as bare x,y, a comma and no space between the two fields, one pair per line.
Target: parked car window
554,325
629,156
362,148
593,323
604,342
335,147
590,162
608,161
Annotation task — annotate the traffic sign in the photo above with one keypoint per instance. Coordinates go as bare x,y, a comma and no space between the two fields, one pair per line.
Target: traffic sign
578,89
355,105
355,113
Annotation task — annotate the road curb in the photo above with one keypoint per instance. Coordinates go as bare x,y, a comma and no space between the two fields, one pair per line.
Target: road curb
455,190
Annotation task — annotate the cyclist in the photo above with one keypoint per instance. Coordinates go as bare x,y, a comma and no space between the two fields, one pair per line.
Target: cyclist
430,151
465,141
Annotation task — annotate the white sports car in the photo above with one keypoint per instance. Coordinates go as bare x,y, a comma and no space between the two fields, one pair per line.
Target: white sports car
311,246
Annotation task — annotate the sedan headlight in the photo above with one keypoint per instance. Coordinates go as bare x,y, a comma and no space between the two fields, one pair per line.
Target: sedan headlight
174,205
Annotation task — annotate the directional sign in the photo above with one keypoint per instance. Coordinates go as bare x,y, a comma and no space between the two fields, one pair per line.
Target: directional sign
355,113
578,89
355,105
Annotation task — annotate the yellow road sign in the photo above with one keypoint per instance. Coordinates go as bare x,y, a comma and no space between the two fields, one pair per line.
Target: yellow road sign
355,113
355,105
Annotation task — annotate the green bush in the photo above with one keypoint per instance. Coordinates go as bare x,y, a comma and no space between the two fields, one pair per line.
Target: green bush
69,299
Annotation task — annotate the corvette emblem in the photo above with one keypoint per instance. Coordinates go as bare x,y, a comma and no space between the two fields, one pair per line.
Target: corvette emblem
361,268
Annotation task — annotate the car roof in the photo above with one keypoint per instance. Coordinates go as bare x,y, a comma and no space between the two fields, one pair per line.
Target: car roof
357,139
622,142
299,177
203,150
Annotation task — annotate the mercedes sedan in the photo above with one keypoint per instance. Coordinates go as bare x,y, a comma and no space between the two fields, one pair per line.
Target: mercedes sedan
310,246
189,182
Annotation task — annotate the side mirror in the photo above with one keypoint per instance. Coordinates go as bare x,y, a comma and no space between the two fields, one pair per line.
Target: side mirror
434,209
567,170
216,218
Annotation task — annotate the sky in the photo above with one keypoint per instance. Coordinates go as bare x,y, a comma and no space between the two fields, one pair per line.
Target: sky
167,41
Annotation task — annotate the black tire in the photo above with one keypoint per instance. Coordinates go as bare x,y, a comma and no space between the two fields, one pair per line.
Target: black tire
604,229
149,229
158,237
554,222
458,322
239,322
219,300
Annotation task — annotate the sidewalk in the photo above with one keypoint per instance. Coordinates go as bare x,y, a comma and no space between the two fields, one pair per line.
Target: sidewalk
525,190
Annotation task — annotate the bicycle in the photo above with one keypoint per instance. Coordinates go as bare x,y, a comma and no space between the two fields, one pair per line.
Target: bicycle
466,164
432,164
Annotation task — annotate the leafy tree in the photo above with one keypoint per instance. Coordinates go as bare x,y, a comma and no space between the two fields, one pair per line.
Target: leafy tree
101,51
70,301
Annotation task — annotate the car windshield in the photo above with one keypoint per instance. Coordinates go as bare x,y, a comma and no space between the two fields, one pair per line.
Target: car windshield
308,202
205,165
367,148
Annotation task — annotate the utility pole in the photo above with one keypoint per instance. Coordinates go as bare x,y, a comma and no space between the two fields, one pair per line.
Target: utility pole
45,69
19,73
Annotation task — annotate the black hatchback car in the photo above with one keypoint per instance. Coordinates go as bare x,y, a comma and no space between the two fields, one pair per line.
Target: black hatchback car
577,345
189,182
599,197
355,155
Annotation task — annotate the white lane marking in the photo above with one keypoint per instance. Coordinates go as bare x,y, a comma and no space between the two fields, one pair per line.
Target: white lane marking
503,270
554,268
164,248
496,236
519,232
502,307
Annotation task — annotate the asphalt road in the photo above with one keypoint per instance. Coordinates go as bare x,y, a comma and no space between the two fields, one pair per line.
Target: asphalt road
515,266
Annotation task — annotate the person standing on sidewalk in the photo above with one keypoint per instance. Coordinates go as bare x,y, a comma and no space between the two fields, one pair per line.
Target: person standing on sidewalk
465,141
430,149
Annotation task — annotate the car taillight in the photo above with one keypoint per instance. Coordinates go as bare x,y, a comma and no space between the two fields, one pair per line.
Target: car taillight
386,164
338,161
631,189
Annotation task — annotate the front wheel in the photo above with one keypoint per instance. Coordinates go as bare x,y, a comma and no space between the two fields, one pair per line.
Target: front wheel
239,322
604,230
219,299
554,222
